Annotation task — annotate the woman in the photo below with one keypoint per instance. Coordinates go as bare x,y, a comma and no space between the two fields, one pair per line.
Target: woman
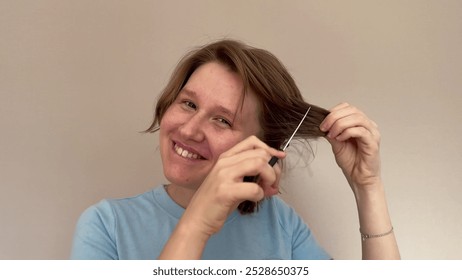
225,112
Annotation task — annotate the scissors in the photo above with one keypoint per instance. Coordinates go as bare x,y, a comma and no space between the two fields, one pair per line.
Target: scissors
274,159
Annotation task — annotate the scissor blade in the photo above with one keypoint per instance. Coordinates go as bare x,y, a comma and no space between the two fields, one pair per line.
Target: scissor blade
295,131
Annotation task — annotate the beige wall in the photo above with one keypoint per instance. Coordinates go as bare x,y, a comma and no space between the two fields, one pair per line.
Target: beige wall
78,80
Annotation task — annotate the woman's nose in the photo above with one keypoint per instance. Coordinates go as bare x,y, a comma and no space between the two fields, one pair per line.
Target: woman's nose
192,128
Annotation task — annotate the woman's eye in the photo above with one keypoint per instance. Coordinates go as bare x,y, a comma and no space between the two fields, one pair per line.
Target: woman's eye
224,122
189,104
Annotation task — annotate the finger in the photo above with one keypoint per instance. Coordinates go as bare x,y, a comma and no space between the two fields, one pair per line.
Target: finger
250,143
273,189
264,154
346,116
251,166
358,120
247,191
268,176
336,113
268,185
362,135
349,121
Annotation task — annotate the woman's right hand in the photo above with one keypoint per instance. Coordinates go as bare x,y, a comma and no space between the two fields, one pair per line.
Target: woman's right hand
223,189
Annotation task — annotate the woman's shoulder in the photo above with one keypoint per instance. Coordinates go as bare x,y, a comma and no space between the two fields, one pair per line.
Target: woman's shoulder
281,207
134,200
276,208
110,207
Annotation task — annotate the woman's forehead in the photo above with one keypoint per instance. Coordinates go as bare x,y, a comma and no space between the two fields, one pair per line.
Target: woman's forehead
219,83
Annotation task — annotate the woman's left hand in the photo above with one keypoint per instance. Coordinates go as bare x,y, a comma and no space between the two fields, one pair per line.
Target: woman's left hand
355,141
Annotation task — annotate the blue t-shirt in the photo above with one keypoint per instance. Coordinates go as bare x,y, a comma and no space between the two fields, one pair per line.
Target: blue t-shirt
138,228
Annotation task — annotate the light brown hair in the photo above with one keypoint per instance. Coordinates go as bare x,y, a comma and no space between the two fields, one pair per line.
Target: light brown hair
282,105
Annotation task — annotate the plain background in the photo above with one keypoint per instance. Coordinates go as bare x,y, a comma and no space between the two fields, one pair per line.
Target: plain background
79,80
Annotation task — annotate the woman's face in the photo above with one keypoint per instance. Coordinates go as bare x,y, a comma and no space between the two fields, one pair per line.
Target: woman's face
207,118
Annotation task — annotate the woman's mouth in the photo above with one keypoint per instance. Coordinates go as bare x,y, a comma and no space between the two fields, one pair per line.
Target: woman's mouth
185,153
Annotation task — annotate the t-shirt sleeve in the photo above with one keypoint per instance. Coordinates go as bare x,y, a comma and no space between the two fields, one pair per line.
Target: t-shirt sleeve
94,235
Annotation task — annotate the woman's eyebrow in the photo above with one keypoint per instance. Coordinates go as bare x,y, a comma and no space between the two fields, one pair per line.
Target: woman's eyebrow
219,108
188,92
226,112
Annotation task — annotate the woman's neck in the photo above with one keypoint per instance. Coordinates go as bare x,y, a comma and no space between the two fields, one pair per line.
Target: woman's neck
181,195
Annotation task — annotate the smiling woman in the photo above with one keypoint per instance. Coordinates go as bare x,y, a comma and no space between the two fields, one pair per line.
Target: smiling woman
224,114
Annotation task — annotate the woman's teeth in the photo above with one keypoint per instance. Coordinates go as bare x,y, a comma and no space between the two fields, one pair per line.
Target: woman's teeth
185,153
